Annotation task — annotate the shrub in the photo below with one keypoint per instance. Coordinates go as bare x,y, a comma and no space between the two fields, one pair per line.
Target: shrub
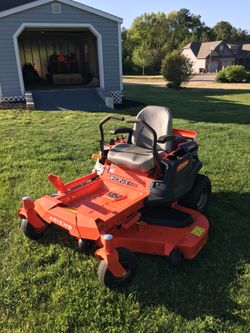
231,74
176,69
248,77
221,76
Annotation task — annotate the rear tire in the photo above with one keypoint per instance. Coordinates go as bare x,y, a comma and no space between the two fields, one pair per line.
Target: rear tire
127,260
31,232
199,195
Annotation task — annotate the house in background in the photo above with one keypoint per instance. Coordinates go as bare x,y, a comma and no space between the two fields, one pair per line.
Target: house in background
209,56
62,43
241,52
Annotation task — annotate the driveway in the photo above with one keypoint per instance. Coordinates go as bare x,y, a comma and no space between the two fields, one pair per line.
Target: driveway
206,77
84,99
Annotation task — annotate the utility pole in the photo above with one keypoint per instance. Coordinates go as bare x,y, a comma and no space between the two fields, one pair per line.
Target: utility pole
210,60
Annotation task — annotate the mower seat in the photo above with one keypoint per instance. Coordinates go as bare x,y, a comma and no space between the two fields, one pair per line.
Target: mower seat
138,155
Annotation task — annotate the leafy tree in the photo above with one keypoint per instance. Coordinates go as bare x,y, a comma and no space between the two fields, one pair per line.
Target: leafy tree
185,27
151,29
127,51
223,30
163,33
143,57
176,69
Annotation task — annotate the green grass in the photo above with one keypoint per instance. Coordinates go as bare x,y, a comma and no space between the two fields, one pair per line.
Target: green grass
49,286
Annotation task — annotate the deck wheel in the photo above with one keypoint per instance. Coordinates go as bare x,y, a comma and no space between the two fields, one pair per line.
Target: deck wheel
127,260
85,245
31,232
175,258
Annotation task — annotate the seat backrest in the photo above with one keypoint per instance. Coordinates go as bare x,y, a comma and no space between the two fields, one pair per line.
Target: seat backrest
160,119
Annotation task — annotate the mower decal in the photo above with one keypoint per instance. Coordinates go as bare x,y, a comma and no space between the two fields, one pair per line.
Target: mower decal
198,231
123,181
60,223
115,196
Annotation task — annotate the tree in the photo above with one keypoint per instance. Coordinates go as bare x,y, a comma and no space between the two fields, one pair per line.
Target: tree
127,51
223,31
163,33
143,57
176,69
150,29
185,27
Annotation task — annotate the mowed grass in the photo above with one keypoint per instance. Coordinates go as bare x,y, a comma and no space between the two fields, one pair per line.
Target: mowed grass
49,286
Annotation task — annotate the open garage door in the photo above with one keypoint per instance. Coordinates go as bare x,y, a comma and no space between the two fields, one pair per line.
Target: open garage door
58,57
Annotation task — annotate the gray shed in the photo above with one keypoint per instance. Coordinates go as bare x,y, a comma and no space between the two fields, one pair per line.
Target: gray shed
48,43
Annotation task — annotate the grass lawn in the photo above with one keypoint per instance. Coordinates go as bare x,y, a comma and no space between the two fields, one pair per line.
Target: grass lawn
49,286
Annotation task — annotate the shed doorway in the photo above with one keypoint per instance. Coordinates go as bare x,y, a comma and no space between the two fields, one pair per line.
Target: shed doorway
52,58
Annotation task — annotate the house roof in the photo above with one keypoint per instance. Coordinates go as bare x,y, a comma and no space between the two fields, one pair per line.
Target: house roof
206,47
194,46
242,49
246,47
10,7
203,49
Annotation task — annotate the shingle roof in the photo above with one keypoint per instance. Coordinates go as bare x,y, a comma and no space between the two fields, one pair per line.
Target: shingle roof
205,48
246,47
8,4
194,46
243,49
202,49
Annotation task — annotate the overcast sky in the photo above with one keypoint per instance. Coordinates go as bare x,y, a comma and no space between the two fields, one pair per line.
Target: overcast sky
211,11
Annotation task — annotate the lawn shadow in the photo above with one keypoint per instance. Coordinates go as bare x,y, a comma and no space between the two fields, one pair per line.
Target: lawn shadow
207,285
194,104
199,288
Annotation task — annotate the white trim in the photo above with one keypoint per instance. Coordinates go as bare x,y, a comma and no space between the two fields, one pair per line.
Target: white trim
67,2
58,25
12,99
120,55
1,92
56,8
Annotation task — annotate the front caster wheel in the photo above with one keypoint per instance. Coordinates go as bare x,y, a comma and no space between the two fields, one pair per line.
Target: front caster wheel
175,258
127,260
85,245
31,232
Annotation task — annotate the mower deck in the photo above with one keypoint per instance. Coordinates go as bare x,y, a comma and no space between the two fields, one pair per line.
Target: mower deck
93,207
161,240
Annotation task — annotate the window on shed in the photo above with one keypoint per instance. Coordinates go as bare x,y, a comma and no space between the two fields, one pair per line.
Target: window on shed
56,8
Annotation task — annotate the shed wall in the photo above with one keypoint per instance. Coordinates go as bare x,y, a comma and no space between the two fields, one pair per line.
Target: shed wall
108,29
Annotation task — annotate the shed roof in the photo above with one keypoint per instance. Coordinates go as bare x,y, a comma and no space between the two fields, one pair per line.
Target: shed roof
9,7
8,4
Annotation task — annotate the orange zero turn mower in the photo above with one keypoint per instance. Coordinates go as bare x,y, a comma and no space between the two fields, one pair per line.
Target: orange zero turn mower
145,195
